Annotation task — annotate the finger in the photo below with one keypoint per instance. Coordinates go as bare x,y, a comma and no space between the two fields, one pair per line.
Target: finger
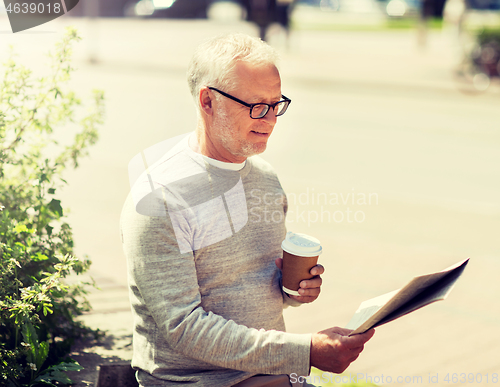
313,292
367,335
311,283
357,349
356,341
353,357
279,263
317,270
341,331
304,299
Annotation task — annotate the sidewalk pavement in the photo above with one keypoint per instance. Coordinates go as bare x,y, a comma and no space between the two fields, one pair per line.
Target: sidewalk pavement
110,314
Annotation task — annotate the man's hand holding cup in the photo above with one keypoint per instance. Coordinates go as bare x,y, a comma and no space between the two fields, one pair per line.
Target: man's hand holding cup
301,273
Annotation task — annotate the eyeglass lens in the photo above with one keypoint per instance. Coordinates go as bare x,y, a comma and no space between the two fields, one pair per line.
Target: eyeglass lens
260,110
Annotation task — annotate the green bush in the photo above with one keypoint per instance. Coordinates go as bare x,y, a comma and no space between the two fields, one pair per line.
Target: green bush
38,308
489,35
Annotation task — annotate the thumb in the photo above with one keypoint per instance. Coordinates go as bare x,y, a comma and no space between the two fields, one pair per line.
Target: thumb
279,263
358,340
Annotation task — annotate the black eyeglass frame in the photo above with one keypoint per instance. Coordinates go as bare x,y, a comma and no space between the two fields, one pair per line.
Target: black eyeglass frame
252,105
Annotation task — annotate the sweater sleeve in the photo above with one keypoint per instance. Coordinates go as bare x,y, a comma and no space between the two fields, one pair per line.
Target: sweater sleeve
166,281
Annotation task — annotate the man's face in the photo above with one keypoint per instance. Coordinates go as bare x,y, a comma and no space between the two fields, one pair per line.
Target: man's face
236,135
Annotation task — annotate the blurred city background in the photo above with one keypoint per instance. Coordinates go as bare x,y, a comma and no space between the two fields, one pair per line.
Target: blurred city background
394,119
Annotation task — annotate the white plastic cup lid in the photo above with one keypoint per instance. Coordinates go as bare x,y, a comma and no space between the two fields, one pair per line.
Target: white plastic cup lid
301,244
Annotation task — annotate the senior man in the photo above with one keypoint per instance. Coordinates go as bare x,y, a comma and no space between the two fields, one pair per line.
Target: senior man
204,263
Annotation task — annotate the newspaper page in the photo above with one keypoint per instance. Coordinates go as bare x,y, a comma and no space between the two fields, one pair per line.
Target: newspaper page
419,292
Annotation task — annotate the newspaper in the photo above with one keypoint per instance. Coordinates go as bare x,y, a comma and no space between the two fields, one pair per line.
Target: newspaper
419,292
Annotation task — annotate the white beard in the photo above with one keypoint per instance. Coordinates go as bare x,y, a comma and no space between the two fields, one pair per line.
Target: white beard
223,130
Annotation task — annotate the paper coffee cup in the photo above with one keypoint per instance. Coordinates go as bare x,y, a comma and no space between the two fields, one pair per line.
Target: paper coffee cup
300,255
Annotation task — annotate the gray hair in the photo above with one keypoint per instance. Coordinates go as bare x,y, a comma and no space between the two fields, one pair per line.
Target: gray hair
214,60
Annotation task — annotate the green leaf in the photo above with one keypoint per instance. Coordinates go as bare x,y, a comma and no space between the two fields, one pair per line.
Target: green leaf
51,191
67,366
46,379
57,376
47,310
55,206
56,373
30,337
40,257
21,246
20,228
42,353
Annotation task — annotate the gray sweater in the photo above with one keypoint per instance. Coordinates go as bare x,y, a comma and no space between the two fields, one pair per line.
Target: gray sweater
200,243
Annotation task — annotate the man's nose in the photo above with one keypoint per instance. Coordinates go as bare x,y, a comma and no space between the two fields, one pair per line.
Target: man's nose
270,117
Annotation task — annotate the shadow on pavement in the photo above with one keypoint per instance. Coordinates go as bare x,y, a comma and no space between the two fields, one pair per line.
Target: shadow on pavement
101,369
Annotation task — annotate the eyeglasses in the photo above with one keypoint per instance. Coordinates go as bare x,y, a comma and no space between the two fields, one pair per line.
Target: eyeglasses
259,110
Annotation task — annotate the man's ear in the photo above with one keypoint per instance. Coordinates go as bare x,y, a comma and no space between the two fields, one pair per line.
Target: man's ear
206,101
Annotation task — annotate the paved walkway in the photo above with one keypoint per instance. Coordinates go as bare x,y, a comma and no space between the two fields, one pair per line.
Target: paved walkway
110,314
